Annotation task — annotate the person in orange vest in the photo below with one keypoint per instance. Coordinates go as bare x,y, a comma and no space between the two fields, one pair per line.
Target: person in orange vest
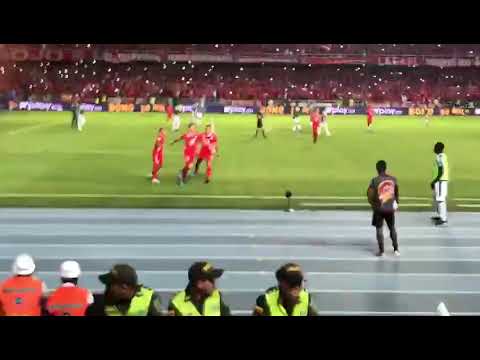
21,294
69,299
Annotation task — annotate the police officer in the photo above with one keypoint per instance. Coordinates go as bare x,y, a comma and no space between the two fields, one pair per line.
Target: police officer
69,299
21,294
201,297
289,298
124,296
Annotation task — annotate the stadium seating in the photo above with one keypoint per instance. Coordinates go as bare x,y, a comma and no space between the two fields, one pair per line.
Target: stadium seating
384,84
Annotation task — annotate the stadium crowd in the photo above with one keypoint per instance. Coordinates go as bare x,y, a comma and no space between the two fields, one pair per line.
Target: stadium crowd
24,294
89,81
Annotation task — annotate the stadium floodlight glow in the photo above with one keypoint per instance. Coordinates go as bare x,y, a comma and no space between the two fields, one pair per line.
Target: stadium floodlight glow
189,61
88,45
216,45
206,74
183,67
241,68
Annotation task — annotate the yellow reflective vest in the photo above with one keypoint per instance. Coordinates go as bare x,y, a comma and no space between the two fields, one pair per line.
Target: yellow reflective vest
138,307
275,307
185,306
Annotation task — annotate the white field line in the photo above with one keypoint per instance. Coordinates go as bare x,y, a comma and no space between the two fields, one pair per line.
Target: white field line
30,128
469,205
194,196
247,197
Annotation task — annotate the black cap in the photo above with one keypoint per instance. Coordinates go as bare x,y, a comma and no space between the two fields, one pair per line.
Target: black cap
203,271
291,273
120,274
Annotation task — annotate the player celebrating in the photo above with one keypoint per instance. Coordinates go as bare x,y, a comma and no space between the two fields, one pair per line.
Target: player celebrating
189,152
297,127
209,143
370,114
157,155
439,184
323,122
315,120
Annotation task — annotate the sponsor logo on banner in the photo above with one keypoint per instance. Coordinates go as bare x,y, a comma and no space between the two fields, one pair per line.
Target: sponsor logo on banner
91,107
418,111
238,110
121,107
398,60
44,106
388,111
341,111
156,108
273,109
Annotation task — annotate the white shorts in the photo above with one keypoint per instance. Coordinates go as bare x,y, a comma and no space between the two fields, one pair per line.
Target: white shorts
199,115
296,121
441,190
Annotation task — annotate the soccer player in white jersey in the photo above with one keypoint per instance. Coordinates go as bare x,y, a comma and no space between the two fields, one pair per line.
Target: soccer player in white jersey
439,184
176,118
323,122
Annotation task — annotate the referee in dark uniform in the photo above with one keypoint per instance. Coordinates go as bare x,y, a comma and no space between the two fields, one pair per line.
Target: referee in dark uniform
260,124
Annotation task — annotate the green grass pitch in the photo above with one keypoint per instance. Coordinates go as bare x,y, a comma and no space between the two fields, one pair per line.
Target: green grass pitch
45,163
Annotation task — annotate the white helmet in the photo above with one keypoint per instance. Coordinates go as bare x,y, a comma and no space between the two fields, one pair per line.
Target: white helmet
23,265
70,270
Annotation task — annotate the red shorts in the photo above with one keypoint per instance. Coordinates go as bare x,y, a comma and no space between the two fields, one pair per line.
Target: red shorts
369,120
158,157
315,130
189,158
205,154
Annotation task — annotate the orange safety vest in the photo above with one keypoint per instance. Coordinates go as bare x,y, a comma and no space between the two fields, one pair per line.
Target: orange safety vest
68,301
21,296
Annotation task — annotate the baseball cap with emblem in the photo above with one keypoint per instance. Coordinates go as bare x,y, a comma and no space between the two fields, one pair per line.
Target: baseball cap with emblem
291,273
120,274
203,271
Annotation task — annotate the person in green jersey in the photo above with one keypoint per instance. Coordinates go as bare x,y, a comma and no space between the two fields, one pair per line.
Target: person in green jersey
439,184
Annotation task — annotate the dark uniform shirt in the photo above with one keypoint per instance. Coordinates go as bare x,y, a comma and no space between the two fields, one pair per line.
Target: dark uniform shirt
259,120
100,301
385,188
261,307
224,309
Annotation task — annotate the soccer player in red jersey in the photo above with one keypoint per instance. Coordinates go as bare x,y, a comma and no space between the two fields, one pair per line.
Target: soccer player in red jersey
209,143
370,114
157,154
315,120
189,152
169,110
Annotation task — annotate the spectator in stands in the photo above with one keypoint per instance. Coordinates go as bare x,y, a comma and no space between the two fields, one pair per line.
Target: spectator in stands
124,296
201,297
21,294
69,299
289,298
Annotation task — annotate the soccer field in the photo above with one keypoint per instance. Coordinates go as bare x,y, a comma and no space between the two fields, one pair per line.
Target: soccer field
45,163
